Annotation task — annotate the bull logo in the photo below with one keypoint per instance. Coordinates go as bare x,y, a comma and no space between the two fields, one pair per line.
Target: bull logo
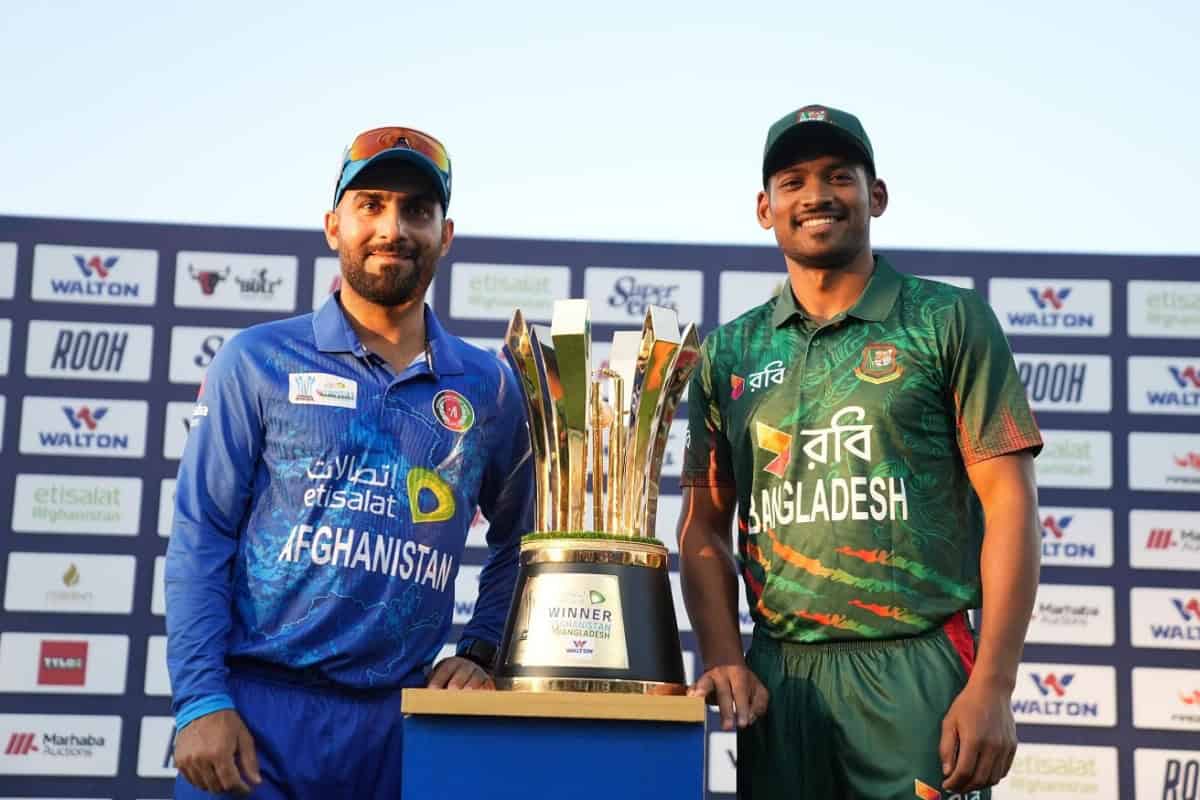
208,278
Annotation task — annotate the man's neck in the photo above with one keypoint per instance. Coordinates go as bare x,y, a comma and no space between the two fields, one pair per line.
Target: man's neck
396,333
826,293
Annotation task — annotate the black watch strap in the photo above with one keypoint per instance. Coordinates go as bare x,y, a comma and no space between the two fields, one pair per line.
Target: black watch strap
477,650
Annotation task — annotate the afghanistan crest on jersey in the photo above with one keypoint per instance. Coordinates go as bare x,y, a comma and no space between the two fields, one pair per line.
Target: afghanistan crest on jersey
880,363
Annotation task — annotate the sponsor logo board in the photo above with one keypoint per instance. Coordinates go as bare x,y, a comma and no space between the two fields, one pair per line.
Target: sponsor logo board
1160,385
106,276
1166,774
744,290
722,762
166,506
59,744
240,281
5,344
193,349
177,424
1066,382
1060,772
1164,539
1076,537
158,681
158,596
492,291
1075,460
8,270
156,748
1166,699
77,426
1052,306
1168,462
84,504
1166,618
89,351
61,663
466,592
621,296
69,582
1065,694
1073,614
1164,309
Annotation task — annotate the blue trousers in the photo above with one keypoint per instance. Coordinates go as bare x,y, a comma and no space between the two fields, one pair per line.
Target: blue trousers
316,743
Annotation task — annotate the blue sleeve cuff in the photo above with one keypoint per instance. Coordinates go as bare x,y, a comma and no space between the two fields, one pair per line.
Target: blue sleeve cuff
202,707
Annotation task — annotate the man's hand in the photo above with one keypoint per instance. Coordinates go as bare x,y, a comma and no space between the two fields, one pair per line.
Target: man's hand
459,673
216,753
979,737
736,691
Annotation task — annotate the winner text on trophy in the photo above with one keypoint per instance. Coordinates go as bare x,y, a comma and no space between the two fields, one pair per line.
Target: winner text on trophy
592,609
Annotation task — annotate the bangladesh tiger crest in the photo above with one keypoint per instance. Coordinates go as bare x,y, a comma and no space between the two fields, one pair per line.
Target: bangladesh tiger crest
880,364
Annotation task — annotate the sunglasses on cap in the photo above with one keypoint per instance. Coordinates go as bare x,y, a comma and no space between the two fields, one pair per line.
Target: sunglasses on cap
395,141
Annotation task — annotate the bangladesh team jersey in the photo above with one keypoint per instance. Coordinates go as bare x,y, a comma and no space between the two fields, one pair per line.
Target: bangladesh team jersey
323,504
847,443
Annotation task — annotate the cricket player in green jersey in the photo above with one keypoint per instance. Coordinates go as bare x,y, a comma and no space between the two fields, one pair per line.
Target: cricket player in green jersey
870,433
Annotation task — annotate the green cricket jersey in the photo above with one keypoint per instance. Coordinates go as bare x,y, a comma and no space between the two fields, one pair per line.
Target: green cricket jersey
847,443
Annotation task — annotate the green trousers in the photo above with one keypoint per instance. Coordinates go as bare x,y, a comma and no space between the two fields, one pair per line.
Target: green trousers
854,720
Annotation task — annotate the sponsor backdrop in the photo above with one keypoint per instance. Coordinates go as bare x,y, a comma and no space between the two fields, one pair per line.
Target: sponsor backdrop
106,329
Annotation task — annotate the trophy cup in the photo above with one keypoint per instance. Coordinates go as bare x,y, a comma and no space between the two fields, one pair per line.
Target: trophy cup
592,608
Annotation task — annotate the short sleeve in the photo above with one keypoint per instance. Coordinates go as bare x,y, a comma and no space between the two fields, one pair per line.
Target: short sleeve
706,454
992,414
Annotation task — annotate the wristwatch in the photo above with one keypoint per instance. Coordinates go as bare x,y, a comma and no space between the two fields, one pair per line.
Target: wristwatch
481,652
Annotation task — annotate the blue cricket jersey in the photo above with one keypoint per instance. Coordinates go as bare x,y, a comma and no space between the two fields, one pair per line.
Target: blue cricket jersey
323,504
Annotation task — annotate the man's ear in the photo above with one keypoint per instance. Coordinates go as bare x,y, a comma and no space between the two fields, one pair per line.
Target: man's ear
447,236
879,198
331,229
764,210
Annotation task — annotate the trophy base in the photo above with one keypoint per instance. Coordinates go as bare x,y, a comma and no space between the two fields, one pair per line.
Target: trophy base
596,685
592,614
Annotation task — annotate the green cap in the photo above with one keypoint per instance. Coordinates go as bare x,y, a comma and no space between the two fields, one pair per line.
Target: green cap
815,120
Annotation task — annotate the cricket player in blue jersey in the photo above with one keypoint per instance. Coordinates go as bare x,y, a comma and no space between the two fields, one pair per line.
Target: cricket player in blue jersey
333,467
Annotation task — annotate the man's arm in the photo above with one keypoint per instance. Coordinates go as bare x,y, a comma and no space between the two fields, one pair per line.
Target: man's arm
214,750
506,498
979,734
708,571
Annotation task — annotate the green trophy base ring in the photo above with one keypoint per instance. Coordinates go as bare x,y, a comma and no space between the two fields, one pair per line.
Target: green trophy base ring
592,613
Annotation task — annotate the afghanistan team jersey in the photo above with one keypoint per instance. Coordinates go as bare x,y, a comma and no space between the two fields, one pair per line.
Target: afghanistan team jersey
323,504
847,443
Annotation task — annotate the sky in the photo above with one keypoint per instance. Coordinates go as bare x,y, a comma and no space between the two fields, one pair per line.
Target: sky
1019,126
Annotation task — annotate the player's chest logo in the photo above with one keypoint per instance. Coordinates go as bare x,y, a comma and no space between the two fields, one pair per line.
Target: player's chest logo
322,389
453,411
770,375
880,364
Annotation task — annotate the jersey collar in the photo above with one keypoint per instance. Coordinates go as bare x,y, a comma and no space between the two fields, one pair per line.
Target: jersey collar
873,305
334,334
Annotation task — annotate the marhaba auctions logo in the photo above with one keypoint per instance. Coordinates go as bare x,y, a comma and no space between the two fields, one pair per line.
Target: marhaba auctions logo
1185,539
54,745
635,297
1048,613
96,271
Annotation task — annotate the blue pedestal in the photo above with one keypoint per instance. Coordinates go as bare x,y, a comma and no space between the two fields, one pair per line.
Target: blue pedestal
524,746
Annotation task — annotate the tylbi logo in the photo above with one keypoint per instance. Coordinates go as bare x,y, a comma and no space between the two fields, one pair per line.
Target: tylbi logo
62,663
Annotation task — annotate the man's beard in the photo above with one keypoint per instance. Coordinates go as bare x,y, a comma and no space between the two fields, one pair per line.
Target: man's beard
393,286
